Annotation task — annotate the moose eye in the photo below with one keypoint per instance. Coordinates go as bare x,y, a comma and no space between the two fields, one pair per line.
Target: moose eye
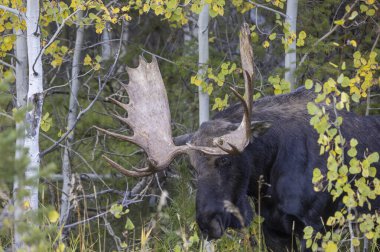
223,161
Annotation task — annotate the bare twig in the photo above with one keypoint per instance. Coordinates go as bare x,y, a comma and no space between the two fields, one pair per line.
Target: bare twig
55,35
268,8
13,11
327,34
81,113
6,115
7,64
112,234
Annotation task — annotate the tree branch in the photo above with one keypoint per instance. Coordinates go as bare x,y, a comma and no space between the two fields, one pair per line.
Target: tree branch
327,34
13,11
81,113
7,64
268,8
55,35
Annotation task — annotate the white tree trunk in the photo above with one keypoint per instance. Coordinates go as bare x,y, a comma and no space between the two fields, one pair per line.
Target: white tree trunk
106,43
21,53
290,56
71,119
202,62
125,38
34,101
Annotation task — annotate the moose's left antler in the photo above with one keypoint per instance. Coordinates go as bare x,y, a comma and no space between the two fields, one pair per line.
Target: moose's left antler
148,117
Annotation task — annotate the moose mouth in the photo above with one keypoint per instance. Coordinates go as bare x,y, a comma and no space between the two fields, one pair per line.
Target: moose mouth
214,228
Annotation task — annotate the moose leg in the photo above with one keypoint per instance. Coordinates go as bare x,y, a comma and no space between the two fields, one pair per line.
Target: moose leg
277,241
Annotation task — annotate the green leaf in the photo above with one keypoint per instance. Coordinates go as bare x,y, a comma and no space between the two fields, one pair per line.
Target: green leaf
357,55
353,15
339,22
352,152
53,216
363,8
355,97
308,232
370,12
129,225
331,247
353,142
272,36
318,88
117,210
309,242
373,158
346,81
309,84
46,122
302,35
312,108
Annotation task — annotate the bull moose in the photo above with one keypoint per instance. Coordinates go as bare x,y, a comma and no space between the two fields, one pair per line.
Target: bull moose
270,140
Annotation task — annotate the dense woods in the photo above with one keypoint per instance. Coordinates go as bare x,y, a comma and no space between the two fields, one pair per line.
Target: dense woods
62,61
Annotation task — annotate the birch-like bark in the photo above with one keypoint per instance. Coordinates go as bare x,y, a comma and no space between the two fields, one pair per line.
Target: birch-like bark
290,55
71,120
106,44
125,37
21,54
202,62
34,101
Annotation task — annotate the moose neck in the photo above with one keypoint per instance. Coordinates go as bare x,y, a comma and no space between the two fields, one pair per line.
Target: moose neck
265,152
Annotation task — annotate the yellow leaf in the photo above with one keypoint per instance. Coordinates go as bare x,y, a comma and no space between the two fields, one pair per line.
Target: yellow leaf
97,67
26,205
272,36
115,10
353,43
334,65
87,60
330,221
353,15
344,65
302,35
114,20
60,248
355,242
339,22
125,8
159,10
127,17
331,247
146,7
53,216
369,235
266,44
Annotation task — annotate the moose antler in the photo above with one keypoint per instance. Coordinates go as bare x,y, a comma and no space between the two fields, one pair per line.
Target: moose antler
149,116
235,141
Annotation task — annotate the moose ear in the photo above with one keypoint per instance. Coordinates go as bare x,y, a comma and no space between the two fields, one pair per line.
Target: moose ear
259,127
183,139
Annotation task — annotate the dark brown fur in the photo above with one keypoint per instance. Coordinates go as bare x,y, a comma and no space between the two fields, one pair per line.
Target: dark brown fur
284,156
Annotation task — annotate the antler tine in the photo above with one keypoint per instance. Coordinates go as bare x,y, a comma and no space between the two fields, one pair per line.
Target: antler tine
131,139
125,171
120,104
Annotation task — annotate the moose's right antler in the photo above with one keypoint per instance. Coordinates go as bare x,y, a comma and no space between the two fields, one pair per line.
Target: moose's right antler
148,117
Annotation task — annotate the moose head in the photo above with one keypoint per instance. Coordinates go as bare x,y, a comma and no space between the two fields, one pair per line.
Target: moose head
213,149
